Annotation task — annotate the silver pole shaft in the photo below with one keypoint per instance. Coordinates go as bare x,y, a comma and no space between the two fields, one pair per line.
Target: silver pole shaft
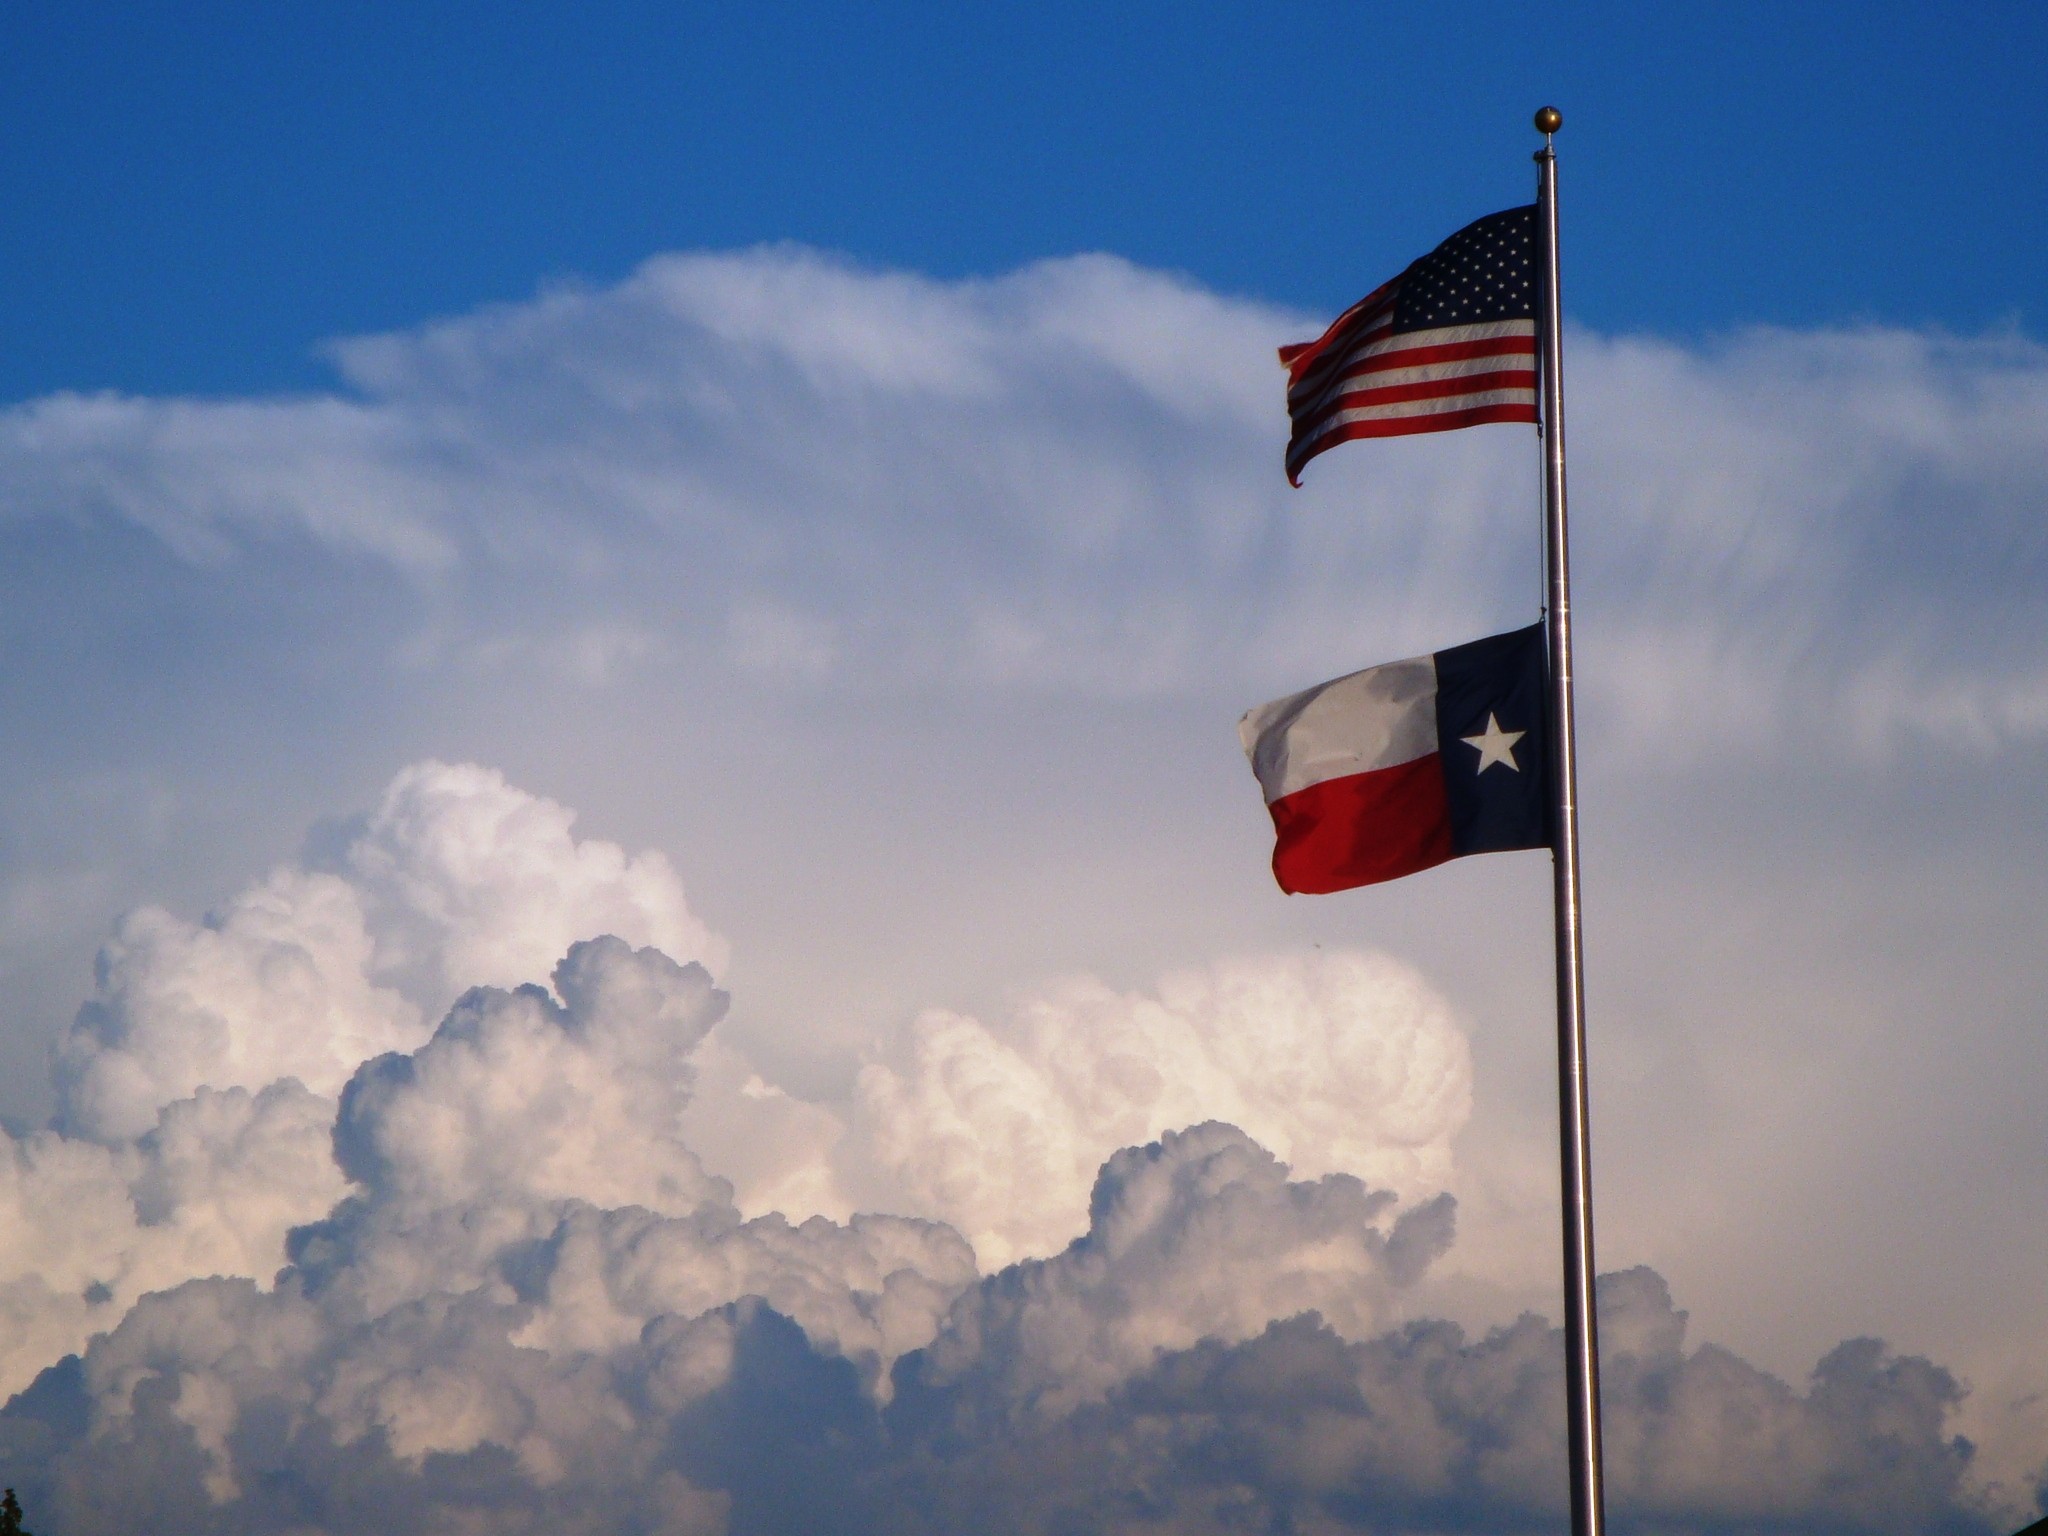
1581,1342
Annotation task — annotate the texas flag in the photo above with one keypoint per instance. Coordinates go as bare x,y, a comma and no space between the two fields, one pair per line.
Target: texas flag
1399,767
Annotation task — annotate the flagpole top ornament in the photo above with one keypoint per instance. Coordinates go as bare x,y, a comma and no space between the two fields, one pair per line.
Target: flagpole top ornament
1548,120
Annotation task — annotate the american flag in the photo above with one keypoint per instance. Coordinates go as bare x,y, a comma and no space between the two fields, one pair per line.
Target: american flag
1451,342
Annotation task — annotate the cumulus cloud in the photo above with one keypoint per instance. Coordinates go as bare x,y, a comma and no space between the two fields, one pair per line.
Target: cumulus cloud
1339,1063
212,1188
517,1097
464,1304
197,1088
531,1306
1211,1354
1199,1235
530,1265
202,1085
456,879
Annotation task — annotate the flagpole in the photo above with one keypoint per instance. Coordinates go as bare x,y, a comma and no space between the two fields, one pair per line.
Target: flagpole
1581,1342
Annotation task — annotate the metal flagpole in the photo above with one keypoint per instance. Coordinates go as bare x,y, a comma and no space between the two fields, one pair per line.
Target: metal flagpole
1581,1343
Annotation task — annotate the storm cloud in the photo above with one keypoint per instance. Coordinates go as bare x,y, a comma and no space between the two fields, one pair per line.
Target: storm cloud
1042,1161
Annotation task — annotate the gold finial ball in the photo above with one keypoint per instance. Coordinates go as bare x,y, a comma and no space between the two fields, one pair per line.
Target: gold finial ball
1548,119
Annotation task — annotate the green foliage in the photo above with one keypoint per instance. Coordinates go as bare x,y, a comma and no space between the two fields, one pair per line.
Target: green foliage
10,1516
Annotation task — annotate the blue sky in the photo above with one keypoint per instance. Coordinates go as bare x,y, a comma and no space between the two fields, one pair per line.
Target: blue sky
196,194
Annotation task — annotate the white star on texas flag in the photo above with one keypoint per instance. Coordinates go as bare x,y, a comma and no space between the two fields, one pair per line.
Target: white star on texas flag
1495,745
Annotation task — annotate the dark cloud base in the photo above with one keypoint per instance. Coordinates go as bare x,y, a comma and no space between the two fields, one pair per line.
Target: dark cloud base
1297,1430
1423,1429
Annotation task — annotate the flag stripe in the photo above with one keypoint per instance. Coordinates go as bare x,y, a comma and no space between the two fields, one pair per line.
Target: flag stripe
1432,404
1378,718
1441,382
1398,426
1419,416
1362,828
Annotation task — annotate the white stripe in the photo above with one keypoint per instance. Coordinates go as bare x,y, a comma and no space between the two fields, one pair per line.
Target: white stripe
1379,718
1442,336
1415,373
1446,334
1419,408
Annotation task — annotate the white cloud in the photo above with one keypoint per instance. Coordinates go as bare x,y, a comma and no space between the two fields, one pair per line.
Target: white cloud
276,985
456,879
1065,477
1199,1235
212,1189
197,1089
469,880
518,1098
1341,1063
470,1340
529,1259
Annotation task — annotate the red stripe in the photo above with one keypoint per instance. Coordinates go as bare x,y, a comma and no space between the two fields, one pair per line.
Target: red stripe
1362,829
1401,426
1386,359
1421,389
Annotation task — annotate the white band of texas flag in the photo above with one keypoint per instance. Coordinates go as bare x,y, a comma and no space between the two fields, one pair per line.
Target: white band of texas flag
1402,766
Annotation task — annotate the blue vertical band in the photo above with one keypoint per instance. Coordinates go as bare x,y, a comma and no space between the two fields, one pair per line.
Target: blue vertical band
1492,689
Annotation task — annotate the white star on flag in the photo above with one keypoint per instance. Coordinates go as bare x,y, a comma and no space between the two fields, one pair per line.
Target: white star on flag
1495,745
